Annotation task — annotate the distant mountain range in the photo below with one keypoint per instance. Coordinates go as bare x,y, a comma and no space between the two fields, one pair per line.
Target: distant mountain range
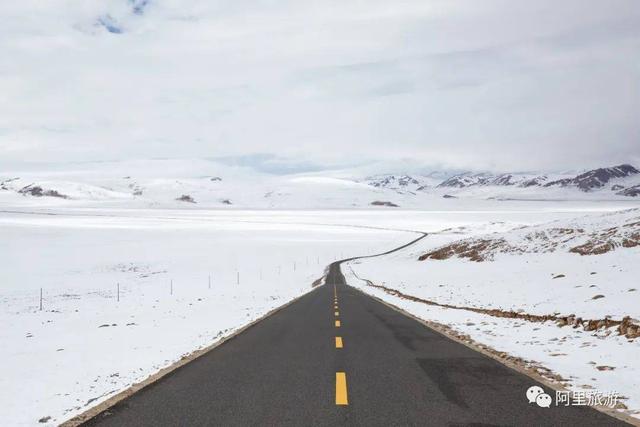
587,181
596,178
405,183
201,183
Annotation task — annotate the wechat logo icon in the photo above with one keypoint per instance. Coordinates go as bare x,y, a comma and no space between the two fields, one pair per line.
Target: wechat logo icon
536,394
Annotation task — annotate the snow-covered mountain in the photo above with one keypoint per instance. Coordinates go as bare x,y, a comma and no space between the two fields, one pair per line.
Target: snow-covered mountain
404,183
470,179
586,181
597,178
202,183
466,180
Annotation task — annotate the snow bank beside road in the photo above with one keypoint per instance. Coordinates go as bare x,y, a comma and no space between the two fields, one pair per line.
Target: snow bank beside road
529,282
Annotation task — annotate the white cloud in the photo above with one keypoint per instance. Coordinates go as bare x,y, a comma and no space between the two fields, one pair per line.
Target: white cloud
491,84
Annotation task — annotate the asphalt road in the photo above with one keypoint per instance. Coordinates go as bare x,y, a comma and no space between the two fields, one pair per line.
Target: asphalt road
390,371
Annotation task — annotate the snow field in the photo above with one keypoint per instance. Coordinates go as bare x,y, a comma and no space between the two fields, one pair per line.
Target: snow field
85,345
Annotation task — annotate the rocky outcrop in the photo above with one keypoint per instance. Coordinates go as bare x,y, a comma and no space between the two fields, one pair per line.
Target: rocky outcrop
384,203
37,191
186,198
630,192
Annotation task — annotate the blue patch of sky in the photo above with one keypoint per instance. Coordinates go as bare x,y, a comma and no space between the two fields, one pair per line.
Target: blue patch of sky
138,6
109,24
269,163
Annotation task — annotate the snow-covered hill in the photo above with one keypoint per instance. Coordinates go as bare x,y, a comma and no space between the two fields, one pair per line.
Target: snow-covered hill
597,178
584,236
402,183
469,179
202,183
558,297
586,181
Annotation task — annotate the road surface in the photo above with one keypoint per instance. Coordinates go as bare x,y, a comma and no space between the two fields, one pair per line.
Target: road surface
377,368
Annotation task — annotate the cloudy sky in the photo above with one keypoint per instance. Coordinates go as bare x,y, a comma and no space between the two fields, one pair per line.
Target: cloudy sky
480,84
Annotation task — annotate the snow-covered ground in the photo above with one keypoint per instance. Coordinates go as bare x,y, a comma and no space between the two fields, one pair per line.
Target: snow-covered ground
85,345
530,271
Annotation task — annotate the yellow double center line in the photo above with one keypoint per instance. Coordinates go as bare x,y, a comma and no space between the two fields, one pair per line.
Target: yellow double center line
341,377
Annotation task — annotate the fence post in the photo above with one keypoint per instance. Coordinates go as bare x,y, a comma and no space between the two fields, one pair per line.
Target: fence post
237,278
209,281
118,292
40,299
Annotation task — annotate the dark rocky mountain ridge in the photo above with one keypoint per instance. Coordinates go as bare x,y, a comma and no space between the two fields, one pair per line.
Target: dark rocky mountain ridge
596,178
587,181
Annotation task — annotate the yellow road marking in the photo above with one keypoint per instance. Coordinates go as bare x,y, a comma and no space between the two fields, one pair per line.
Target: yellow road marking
341,388
338,342
337,314
335,307
337,323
